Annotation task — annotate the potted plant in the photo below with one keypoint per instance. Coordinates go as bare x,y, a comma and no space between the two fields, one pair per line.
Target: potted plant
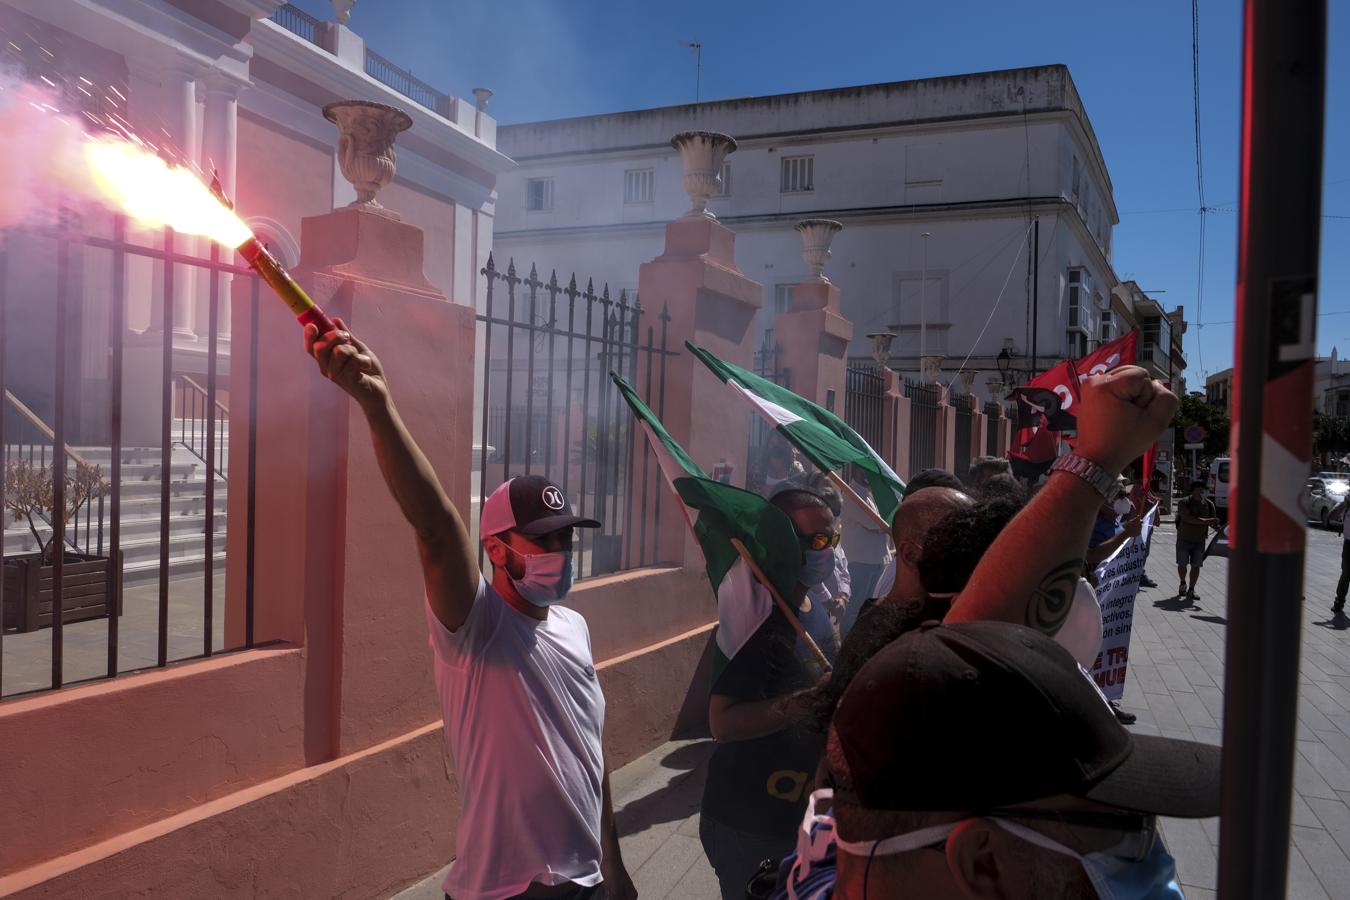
29,578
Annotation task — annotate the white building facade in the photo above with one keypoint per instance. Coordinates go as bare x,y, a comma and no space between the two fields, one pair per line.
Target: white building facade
939,184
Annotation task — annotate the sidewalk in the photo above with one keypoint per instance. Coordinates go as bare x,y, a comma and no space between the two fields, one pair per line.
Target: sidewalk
1175,686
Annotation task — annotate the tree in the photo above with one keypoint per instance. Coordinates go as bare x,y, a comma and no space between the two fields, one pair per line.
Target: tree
1331,434
29,494
1195,411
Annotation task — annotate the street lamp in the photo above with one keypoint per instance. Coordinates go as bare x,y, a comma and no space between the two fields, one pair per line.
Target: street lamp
1004,363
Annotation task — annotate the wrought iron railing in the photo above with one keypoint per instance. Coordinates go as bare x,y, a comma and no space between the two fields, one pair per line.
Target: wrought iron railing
407,84
193,402
923,411
962,405
991,428
78,262
550,407
864,396
297,21
768,363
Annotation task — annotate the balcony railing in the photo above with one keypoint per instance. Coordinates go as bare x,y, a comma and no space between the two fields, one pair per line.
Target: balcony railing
403,81
297,21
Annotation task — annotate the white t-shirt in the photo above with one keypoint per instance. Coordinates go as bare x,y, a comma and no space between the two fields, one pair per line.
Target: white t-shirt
523,719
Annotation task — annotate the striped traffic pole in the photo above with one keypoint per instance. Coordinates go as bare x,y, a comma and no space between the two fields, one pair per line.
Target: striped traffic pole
1284,55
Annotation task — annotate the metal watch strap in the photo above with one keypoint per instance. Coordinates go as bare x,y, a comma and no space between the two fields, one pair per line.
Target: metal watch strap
1101,481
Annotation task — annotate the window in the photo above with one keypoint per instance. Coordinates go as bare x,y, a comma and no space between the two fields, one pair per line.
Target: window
638,185
1078,292
798,174
1077,344
538,194
782,297
1342,404
1105,333
1077,176
725,189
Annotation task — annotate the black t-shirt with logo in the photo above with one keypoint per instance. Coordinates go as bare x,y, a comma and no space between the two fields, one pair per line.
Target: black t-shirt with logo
761,785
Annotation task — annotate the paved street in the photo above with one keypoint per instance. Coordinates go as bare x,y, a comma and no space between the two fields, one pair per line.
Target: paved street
1175,687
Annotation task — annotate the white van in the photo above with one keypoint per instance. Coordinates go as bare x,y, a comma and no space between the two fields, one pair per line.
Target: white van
1218,484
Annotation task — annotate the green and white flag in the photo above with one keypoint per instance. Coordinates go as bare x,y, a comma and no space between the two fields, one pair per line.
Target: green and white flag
819,434
716,513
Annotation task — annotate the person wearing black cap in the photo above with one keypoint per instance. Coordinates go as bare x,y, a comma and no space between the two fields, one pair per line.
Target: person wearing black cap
1030,788
521,703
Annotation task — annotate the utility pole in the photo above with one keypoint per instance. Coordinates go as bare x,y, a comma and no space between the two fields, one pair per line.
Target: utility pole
1284,93
697,47
923,307
1035,293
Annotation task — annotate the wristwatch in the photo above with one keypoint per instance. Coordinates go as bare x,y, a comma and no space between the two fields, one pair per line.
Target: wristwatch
1101,481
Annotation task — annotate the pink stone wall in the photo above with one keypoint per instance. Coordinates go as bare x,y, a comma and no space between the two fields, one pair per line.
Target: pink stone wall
436,217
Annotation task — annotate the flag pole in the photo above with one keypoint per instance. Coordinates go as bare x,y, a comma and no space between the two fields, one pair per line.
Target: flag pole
852,494
786,610
1284,94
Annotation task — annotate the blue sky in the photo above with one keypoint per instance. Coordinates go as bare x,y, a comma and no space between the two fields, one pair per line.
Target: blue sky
547,59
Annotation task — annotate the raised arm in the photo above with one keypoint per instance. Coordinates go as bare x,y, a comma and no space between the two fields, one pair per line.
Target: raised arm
449,563
1029,574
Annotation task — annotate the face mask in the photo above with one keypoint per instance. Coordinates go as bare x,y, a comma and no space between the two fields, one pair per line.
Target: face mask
816,567
547,579
1121,506
1152,878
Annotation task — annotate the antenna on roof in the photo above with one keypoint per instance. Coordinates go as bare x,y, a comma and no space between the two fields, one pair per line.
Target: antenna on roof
698,71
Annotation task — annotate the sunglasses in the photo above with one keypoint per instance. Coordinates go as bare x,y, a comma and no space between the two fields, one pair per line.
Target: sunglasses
821,540
1134,832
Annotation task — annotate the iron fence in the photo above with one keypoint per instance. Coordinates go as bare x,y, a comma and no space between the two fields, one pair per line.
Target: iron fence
864,396
768,363
963,405
74,404
198,413
923,417
991,428
297,21
551,408
407,84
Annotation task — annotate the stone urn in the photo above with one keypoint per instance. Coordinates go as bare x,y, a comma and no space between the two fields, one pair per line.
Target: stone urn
702,153
342,11
817,235
366,133
995,386
968,379
931,367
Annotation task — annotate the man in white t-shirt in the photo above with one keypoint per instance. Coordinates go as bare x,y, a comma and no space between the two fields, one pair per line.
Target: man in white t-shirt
521,702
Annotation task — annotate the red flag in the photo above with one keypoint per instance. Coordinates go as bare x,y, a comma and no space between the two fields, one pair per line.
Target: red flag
1120,352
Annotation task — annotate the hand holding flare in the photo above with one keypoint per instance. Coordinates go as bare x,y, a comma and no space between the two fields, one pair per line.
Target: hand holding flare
267,266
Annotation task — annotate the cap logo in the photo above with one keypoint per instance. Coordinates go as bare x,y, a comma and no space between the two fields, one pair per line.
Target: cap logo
553,498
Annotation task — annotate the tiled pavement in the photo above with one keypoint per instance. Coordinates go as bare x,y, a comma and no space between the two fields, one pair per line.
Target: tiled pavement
1175,686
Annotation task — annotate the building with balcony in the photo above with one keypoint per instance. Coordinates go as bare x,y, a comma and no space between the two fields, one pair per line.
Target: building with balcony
1331,387
946,188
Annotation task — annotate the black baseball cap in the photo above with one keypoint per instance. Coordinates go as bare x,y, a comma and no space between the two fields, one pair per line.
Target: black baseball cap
531,505
973,716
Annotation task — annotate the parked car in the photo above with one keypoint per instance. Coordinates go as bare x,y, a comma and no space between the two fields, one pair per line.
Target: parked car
1218,485
1322,493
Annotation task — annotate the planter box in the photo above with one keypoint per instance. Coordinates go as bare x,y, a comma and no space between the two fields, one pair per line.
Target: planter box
28,591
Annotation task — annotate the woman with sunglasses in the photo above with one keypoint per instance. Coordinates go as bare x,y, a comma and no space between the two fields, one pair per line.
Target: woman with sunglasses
760,773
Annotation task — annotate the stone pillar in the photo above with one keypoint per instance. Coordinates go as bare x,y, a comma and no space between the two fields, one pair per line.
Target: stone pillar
895,421
712,304
332,546
813,335
946,431
220,125
179,88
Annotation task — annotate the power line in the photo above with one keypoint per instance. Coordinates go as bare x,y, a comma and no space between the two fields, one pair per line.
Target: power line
1199,183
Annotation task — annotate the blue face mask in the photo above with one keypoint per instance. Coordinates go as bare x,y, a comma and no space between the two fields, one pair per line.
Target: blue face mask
816,566
1151,878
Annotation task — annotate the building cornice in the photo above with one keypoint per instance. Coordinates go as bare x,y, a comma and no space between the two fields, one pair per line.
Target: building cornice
147,31
326,72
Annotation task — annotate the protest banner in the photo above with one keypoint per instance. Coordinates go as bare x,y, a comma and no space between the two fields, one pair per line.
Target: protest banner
1117,587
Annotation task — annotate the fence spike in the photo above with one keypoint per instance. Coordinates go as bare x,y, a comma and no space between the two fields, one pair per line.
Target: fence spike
665,312
511,267
553,281
490,269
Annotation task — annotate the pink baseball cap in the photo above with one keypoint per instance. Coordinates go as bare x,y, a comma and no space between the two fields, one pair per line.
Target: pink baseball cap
531,505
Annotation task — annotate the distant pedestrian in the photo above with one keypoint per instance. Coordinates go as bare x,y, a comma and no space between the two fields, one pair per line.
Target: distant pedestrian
1195,517
1338,608
984,468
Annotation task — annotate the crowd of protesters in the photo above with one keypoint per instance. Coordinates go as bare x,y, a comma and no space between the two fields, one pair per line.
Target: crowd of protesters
955,746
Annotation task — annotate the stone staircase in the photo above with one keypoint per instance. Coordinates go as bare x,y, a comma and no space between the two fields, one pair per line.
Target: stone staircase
141,512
